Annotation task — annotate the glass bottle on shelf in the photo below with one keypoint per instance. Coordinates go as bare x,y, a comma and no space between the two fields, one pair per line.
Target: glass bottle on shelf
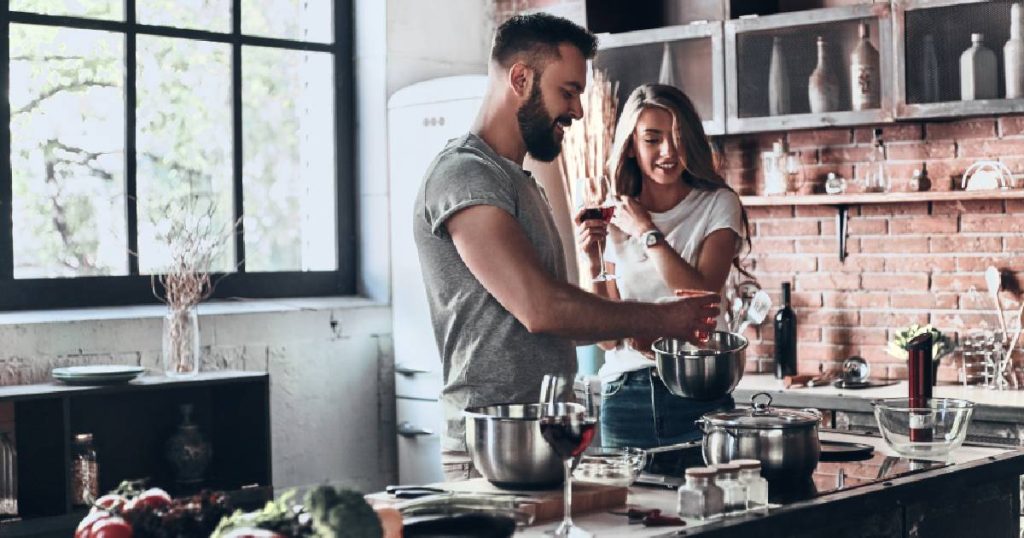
864,84
8,477
778,81
929,70
699,497
734,493
1013,54
785,336
757,486
876,179
823,87
85,484
978,76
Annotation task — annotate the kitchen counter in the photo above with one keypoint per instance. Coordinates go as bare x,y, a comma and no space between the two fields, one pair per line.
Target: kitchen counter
977,496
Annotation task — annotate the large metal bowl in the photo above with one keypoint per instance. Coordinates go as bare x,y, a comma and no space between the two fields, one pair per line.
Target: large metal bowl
705,373
508,449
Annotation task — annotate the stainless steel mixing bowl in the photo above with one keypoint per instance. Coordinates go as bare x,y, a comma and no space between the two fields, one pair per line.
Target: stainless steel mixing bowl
705,373
508,449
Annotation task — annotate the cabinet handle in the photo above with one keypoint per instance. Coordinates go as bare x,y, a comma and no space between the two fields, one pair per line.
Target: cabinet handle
406,370
408,430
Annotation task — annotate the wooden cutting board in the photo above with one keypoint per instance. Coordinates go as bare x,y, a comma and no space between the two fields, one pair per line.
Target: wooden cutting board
546,505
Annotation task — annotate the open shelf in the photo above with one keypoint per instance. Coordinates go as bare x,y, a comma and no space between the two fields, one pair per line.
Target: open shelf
880,198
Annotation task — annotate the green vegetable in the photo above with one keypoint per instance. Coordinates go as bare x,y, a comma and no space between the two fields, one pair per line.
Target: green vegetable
941,344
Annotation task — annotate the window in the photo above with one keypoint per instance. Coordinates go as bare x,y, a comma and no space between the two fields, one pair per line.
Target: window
128,116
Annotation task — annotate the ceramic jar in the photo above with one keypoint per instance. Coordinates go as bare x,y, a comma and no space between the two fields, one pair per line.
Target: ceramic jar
864,83
823,86
978,75
188,451
778,81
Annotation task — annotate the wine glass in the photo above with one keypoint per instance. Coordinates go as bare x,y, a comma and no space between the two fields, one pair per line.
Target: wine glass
594,195
568,428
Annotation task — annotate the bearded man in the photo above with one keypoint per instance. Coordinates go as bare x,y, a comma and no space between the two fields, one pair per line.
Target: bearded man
503,312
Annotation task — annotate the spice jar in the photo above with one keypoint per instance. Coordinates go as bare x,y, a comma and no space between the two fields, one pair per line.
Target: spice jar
85,483
734,493
757,486
699,497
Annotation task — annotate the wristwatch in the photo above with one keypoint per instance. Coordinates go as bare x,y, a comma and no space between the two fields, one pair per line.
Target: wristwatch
651,238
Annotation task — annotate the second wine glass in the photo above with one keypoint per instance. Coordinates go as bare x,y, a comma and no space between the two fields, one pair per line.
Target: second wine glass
568,428
594,195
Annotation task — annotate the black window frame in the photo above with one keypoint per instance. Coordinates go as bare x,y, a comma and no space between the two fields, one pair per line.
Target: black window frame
94,291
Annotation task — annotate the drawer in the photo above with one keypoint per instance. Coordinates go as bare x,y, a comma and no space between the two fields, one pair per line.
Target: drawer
419,441
415,380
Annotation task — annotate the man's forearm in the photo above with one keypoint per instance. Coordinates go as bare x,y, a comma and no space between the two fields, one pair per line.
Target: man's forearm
573,313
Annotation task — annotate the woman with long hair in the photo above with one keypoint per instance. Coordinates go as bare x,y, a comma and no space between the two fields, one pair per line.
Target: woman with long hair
677,225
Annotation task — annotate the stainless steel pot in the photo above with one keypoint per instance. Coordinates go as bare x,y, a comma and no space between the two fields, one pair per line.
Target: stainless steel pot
508,449
705,373
784,441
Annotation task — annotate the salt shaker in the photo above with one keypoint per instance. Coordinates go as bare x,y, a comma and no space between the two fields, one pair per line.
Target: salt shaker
699,497
757,486
734,493
85,484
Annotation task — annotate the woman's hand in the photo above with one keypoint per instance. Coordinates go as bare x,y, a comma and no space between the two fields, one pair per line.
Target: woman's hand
631,217
590,238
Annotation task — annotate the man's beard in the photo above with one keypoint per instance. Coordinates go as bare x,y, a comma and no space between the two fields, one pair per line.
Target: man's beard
538,128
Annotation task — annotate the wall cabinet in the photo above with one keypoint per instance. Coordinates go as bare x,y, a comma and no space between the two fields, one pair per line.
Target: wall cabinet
726,67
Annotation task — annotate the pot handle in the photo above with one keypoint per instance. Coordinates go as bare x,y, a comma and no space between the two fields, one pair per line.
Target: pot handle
761,407
701,424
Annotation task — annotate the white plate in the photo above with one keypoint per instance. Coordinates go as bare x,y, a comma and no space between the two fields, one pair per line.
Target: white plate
97,370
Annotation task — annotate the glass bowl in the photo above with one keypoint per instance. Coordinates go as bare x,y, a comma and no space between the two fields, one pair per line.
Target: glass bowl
943,420
610,466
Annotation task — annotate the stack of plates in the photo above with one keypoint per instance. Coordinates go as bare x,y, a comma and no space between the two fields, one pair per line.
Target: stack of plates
99,374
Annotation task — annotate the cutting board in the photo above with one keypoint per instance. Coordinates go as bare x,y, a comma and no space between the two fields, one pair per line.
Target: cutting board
546,505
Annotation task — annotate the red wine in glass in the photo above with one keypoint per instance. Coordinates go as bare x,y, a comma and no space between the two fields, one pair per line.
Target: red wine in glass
568,435
603,213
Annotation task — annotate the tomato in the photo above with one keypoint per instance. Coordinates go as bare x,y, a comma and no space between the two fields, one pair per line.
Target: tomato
111,527
85,526
110,502
155,498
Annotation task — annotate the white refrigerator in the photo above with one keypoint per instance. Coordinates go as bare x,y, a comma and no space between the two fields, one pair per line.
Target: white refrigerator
421,119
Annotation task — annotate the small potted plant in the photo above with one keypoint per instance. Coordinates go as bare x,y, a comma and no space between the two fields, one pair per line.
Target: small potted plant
942,345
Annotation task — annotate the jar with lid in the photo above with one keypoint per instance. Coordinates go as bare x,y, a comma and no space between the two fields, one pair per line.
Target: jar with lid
757,486
734,493
85,484
699,497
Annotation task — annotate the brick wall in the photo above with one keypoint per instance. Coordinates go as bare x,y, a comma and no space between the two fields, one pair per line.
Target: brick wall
907,263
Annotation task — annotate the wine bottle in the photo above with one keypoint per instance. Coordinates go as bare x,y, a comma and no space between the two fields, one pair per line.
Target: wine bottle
785,337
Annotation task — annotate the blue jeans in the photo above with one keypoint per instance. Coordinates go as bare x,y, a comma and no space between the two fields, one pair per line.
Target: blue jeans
638,411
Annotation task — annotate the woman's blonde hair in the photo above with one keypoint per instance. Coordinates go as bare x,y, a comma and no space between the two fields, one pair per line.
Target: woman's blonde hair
688,136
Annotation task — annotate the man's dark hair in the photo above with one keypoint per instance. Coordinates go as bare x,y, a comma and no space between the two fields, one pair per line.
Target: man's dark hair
537,36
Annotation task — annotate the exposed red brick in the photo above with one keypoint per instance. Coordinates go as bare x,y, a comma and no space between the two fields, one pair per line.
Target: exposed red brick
965,244
917,151
819,137
847,318
960,130
769,212
788,227
877,357
1015,206
815,211
854,263
862,226
821,352
844,154
933,264
824,245
854,335
891,281
881,210
893,319
975,264
804,299
946,174
855,299
804,333
963,320
1011,125
900,173
787,264
981,300
1013,244
744,182
943,301
990,223
923,225
991,148
773,246
958,282
894,245
967,206
828,281
890,133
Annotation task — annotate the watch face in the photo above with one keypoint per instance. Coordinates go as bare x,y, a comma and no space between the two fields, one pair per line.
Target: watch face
650,239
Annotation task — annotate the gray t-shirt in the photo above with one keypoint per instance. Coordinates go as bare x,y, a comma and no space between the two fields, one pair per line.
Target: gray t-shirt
488,356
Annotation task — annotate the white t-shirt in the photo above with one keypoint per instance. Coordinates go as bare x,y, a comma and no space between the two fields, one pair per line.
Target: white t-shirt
685,226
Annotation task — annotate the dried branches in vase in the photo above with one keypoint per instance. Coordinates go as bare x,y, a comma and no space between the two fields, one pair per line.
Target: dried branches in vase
195,239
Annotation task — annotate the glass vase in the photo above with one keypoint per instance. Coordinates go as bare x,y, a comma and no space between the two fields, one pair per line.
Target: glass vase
180,349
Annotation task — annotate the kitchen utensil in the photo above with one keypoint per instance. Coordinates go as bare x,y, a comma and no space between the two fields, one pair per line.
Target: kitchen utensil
413,492
508,449
760,304
946,418
97,374
610,465
701,373
784,441
734,309
1016,335
994,281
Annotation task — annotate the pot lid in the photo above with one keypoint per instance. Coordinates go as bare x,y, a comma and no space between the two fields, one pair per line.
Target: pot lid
760,415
